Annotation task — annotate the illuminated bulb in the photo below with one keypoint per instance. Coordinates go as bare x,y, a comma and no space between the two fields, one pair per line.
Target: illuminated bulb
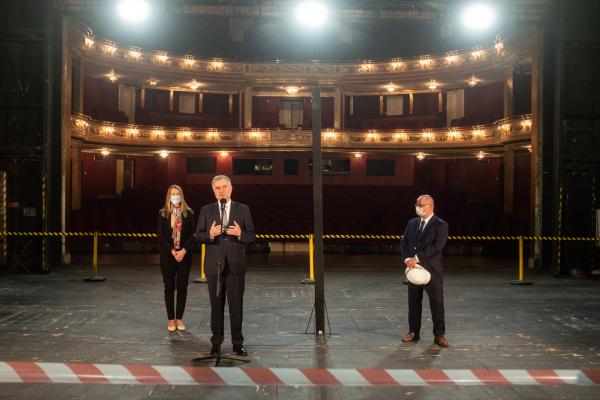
526,124
194,85
292,90
217,64
529,148
400,136
108,130
451,59
473,81
372,136
104,151
454,135
480,155
110,49
224,154
390,87
433,84
112,76
477,133
133,132
427,135
367,66
357,155
152,82
185,135
162,57
158,133
396,65
213,134
425,62
135,54
163,154
81,123
190,62
89,42
477,54
498,45
329,135
420,156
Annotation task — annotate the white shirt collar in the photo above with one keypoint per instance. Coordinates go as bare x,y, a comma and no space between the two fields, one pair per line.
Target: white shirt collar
427,219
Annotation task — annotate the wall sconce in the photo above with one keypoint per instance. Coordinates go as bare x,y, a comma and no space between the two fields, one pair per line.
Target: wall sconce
390,87
158,134
454,135
104,151
477,133
358,155
400,136
427,136
194,84
397,65
112,76
223,153
426,62
480,155
472,81
108,130
213,134
292,90
526,124
163,154
433,84
420,156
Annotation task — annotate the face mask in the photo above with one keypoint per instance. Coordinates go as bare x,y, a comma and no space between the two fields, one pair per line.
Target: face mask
175,200
419,211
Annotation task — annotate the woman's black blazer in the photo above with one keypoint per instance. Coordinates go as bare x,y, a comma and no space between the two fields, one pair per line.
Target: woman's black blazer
165,237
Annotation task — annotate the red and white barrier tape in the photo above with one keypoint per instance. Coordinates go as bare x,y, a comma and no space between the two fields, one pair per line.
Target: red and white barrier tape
134,374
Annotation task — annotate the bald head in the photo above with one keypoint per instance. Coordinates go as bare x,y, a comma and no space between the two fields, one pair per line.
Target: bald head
426,204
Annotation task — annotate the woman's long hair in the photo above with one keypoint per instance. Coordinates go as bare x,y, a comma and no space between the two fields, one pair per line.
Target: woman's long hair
166,210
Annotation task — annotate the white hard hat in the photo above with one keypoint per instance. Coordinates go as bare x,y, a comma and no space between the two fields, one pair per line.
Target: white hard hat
418,275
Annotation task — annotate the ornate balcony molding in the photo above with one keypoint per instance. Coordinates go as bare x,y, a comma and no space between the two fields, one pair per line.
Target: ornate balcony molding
100,133
488,56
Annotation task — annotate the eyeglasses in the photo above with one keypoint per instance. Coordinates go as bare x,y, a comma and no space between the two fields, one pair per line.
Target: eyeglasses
422,205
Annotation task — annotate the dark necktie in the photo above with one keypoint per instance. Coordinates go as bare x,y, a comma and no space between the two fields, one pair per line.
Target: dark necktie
421,226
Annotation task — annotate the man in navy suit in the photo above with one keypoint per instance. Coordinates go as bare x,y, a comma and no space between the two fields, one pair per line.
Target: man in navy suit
423,243
234,230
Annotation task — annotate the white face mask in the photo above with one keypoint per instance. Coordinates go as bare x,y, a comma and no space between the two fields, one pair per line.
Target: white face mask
419,211
175,199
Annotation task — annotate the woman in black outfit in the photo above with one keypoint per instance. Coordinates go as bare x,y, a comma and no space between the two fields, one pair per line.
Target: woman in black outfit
176,241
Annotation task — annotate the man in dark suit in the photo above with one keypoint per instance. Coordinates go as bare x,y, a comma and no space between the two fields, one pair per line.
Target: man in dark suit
423,243
234,230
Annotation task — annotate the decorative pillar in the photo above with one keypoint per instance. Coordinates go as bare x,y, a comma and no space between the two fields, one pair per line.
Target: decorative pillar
508,94
337,109
509,180
248,108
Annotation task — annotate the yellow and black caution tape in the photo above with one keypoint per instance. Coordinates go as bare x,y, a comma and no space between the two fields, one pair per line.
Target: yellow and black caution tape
270,236
306,236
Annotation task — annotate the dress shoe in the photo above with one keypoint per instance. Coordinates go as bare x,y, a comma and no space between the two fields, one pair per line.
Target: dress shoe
180,325
171,328
240,350
441,341
215,350
411,337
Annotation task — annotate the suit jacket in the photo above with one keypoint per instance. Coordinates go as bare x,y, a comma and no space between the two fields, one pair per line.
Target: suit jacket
165,237
234,249
428,245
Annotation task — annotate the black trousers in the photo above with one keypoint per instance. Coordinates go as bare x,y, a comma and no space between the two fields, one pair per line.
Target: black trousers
232,290
175,277
435,292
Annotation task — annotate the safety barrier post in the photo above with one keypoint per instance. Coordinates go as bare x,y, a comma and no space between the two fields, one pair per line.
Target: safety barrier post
95,277
520,281
202,278
311,260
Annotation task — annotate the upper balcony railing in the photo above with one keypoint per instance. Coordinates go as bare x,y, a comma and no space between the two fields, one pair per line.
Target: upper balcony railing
101,133
488,54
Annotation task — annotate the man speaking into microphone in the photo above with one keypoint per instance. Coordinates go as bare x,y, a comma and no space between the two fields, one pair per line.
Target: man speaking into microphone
225,227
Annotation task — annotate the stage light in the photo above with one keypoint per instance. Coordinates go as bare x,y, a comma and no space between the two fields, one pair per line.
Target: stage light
478,17
133,11
311,14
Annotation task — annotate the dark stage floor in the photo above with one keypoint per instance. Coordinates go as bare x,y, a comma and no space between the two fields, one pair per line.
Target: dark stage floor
554,324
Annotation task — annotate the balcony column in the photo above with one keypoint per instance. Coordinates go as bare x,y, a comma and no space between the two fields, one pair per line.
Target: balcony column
509,180
337,109
248,108
508,94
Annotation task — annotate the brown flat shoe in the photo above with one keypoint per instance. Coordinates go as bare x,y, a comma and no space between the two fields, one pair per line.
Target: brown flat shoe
441,341
411,337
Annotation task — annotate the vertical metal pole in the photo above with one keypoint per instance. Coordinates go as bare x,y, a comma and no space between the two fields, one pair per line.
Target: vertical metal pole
318,212
311,261
202,278
520,281
95,277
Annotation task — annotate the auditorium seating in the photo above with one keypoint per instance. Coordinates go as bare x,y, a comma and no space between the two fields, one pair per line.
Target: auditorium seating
288,210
